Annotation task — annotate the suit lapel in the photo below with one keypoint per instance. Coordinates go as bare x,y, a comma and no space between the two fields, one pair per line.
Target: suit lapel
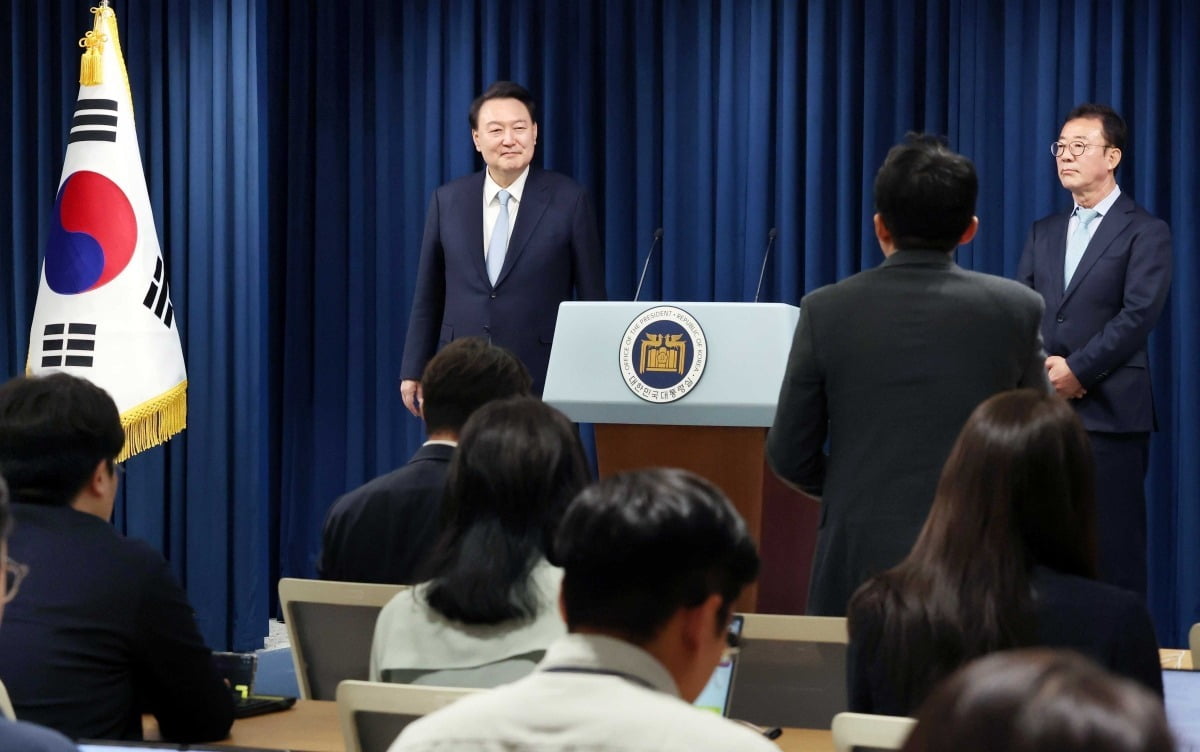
534,201
1110,227
468,219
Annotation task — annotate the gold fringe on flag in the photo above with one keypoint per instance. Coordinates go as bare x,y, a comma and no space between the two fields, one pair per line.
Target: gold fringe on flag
91,67
154,421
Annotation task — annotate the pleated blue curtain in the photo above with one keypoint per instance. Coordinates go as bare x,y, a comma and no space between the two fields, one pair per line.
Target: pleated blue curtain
291,149
203,499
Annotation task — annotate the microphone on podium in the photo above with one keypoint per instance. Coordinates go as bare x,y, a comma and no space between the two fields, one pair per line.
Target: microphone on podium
770,242
657,239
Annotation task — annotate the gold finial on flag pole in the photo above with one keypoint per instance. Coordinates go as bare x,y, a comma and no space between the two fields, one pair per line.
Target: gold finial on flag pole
91,67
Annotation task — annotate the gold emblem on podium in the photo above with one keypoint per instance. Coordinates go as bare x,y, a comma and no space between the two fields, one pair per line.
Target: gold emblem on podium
664,353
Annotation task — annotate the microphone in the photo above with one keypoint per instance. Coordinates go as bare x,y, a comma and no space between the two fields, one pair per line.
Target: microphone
657,239
770,242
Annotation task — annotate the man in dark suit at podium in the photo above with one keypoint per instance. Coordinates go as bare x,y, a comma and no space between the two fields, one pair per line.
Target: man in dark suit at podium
888,364
1104,269
385,530
502,248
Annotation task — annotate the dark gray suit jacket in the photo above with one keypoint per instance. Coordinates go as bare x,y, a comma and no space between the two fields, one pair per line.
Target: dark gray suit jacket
887,365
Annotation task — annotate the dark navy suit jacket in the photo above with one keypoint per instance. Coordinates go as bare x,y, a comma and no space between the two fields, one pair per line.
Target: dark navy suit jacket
101,632
385,530
554,254
1101,322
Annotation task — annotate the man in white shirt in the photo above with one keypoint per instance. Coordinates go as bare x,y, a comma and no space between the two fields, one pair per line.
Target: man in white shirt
653,562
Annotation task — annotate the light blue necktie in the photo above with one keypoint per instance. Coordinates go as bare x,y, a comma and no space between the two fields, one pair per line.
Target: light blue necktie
1077,243
499,243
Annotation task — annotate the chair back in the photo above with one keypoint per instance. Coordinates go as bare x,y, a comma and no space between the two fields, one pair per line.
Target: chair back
373,714
1194,645
791,671
6,708
330,625
862,730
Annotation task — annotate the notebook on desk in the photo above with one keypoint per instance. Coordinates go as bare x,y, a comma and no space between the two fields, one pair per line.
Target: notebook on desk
238,670
1181,692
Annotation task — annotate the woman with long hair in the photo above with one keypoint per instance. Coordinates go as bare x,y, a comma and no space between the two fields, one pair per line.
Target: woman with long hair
491,606
1007,558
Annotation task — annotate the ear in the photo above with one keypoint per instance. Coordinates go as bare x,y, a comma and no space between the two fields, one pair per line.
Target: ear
475,139
700,623
1113,156
101,478
969,234
887,243
535,134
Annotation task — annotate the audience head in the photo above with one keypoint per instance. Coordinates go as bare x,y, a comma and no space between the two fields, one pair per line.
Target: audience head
464,375
656,551
518,464
1039,700
1016,492
59,438
1018,480
925,196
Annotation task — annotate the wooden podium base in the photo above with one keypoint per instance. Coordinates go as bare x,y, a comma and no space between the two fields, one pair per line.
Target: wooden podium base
733,459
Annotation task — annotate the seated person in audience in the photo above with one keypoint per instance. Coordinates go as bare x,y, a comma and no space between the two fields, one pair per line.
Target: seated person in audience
384,531
653,563
18,735
490,609
1039,700
102,631
1007,558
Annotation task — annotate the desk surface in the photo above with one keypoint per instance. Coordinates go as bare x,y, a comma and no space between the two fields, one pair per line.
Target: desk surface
312,726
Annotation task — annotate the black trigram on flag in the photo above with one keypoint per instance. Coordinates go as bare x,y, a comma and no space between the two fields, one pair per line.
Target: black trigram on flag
158,297
95,120
68,345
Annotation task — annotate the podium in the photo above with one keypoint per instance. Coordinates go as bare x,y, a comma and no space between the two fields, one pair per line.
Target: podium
630,369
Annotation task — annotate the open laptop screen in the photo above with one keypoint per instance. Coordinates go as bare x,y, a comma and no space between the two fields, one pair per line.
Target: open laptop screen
716,694
1181,690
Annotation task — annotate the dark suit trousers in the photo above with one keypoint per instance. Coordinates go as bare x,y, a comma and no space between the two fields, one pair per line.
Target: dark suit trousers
1121,460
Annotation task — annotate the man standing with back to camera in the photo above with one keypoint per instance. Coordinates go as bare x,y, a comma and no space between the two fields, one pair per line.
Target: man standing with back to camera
1104,270
502,248
889,363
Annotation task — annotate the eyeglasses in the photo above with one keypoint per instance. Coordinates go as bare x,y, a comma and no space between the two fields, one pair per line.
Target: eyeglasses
14,574
1077,148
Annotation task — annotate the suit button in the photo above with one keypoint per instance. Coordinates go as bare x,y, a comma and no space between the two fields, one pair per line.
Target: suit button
1060,318
493,296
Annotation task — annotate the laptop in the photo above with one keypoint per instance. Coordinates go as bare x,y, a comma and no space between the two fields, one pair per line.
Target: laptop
238,670
102,745
716,694
1181,692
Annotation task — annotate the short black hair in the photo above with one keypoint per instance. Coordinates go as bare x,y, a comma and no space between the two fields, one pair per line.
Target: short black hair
465,375
502,90
926,194
53,431
638,546
1112,125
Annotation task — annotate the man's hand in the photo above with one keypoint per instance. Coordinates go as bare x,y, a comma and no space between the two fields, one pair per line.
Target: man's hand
410,392
1063,380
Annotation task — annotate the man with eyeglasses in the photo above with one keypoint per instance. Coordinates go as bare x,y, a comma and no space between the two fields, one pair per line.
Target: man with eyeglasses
1104,270
20,735
102,632
653,561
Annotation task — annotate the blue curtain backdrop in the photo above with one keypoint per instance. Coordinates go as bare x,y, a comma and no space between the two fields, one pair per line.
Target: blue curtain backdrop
291,148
